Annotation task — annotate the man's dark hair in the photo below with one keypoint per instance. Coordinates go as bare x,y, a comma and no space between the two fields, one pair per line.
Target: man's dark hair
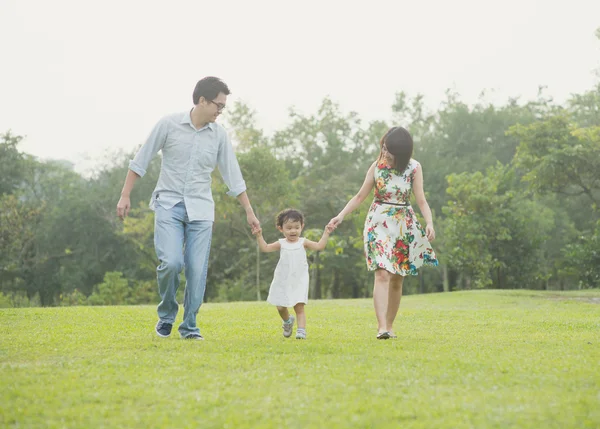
209,88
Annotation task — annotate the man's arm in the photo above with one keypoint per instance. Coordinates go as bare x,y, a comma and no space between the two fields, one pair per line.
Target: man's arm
232,176
137,166
250,216
124,204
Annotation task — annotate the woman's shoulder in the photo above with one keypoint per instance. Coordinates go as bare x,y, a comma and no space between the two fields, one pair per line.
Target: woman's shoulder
413,164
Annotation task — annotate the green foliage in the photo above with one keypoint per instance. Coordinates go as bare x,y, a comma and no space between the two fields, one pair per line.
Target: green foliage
138,230
513,188
585,108
560,158
75,297
11,163
476,220
492,234
5,301
113,291
582,259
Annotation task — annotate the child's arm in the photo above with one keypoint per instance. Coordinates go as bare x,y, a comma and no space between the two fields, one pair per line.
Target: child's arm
322,242
262,244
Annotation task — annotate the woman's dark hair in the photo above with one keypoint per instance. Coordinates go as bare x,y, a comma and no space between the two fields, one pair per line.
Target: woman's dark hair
399,143
209,88
289,215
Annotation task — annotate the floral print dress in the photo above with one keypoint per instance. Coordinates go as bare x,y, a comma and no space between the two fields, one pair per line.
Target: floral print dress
394,239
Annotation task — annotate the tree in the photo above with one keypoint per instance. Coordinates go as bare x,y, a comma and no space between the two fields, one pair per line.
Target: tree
11,163
582,259
558,157
114,290
494,233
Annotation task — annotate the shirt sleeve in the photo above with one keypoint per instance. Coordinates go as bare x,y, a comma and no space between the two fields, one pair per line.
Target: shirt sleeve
154,143
229,167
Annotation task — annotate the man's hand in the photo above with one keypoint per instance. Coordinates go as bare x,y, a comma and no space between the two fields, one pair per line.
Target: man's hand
253,222
123,207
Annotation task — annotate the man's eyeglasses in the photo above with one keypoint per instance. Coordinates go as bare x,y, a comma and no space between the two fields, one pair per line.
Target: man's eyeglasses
220,106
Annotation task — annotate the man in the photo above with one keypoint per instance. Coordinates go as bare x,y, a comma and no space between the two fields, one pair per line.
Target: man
192,145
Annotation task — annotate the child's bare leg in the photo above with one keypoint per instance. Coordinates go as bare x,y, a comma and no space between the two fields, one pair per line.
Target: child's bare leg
284,313
300,315
288,321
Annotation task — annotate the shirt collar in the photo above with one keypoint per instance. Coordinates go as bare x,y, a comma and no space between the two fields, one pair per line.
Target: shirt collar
187,119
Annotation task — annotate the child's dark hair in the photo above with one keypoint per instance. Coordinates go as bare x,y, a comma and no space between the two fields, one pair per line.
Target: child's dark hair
289,215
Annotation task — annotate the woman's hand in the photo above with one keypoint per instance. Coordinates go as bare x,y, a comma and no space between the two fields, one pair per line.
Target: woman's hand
335,222
430,232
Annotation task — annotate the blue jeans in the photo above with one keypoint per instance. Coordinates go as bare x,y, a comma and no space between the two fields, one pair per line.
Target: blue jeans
173,231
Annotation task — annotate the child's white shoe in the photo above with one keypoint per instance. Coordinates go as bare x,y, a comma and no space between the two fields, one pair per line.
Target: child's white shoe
287,327
301,334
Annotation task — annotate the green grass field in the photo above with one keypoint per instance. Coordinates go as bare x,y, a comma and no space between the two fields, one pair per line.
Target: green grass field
481,359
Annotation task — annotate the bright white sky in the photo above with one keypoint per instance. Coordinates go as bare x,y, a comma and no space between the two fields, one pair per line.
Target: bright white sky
80,78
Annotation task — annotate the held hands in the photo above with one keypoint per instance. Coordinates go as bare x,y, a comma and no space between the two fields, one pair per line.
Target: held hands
334,223
253,222
257,231
123,207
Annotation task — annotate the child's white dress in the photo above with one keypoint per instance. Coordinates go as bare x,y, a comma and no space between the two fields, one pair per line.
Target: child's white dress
290,282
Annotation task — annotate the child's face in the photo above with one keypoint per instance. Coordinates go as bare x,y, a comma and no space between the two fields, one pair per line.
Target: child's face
291,230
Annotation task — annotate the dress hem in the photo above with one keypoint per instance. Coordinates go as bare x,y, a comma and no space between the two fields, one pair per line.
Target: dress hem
288,305
403,273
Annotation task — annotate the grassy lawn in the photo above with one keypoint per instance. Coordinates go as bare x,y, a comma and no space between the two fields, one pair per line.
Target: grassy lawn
481,359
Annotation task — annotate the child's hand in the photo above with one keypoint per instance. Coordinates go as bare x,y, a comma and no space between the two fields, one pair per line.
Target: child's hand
329,228
257,231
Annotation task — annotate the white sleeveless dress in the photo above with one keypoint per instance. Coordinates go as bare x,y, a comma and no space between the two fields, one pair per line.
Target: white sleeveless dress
290,282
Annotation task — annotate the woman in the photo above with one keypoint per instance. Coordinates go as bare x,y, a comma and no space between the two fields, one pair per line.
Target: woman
395,243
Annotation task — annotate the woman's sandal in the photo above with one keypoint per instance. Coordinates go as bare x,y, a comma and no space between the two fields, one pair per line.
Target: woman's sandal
383,336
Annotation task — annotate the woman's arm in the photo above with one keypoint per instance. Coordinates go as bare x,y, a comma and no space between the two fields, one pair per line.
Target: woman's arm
356,200
422,203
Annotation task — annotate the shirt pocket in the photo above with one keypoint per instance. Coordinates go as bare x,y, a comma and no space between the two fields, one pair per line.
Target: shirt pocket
207,157
176,152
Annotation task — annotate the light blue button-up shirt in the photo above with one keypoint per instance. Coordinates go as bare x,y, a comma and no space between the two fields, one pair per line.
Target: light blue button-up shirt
189,156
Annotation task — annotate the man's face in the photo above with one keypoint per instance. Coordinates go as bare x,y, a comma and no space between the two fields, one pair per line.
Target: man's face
215,107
